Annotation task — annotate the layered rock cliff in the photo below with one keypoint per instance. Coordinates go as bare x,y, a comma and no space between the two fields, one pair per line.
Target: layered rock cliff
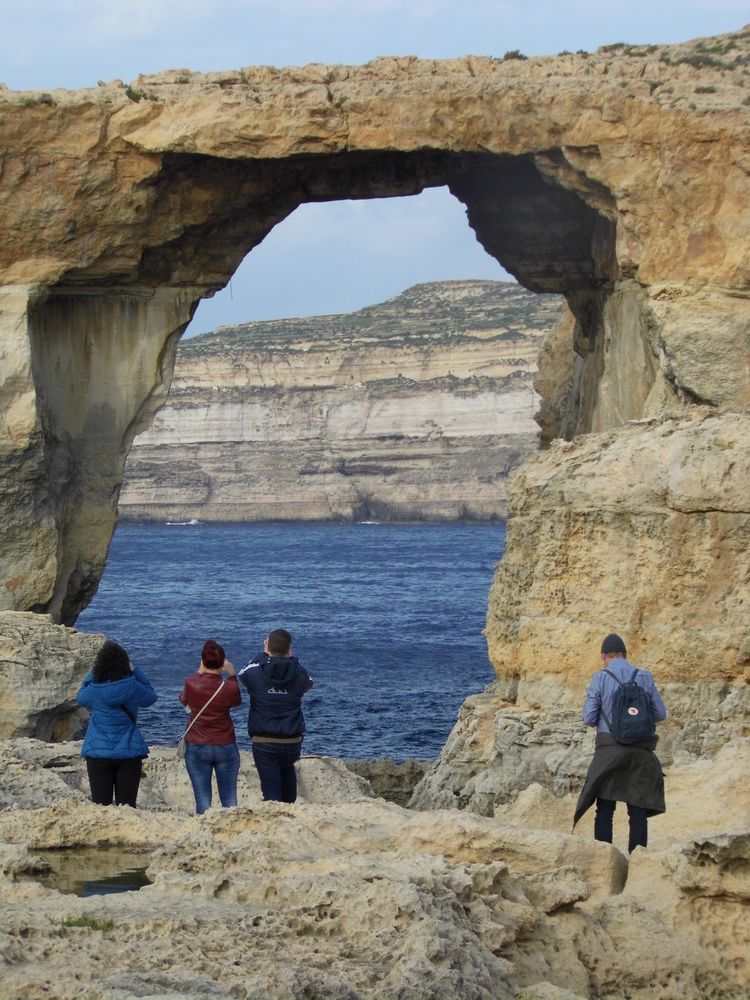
414,409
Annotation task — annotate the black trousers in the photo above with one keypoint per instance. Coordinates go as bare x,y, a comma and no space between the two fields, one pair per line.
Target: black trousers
637,818
109,776
275,765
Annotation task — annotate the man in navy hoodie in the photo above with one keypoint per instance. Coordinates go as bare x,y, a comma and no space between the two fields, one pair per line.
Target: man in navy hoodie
276,682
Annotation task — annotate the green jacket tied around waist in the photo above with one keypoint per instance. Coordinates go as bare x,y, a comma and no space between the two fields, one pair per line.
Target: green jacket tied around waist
622,773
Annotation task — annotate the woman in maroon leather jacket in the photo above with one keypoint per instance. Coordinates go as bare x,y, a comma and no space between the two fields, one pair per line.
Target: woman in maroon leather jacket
211,743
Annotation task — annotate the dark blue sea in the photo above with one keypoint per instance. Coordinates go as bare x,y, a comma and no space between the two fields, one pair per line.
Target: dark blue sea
387,618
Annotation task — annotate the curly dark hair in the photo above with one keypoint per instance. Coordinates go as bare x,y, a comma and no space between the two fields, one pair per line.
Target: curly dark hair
112,663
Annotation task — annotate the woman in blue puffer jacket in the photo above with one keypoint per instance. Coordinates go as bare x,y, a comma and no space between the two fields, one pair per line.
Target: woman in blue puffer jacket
114,748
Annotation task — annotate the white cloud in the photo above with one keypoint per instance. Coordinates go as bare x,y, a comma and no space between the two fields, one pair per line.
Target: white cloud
136,19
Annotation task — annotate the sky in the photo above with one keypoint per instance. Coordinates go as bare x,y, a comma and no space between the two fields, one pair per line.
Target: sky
339,256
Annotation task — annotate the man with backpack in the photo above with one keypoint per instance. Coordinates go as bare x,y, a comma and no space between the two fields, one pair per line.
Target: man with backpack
624,705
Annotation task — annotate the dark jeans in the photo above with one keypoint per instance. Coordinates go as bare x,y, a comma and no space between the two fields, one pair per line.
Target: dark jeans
637,818
275,764
108,776
201,762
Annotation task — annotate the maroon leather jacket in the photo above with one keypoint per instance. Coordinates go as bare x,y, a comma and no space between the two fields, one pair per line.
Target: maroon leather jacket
215,726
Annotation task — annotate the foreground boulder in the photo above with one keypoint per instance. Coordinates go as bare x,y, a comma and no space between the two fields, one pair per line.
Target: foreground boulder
41,668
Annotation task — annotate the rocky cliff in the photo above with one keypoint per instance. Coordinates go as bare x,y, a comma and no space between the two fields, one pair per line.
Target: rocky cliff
415,409
619,180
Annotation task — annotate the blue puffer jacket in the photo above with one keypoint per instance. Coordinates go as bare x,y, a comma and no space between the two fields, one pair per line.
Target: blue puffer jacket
112,733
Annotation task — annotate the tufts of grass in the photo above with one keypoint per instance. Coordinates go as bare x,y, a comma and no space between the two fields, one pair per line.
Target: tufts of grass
701,60
44,98
91,923
718,48
628,50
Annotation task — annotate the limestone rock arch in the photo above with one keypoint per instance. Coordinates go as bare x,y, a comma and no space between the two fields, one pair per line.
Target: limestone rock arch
607,178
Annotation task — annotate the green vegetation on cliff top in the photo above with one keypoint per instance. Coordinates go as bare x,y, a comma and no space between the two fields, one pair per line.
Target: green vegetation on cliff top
436,312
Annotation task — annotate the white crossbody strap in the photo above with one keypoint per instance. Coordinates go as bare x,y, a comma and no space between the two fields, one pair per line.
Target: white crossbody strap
193,721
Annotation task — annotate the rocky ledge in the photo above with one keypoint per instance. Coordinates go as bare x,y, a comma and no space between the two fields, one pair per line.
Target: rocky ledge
344,895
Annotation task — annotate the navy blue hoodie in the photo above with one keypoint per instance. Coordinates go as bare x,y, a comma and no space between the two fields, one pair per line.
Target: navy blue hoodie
276,685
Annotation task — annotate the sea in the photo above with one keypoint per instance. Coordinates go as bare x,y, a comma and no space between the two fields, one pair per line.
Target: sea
387,618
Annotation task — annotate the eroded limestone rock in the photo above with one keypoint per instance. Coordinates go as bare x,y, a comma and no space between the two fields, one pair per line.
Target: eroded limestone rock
644,531
41,668
34,773
611,179
498,749
390,780
369,900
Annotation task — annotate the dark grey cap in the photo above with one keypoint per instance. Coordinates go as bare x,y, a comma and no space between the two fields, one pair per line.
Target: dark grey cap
613,644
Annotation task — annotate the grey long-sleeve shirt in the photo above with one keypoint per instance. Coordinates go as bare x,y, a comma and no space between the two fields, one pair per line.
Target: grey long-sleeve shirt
602,689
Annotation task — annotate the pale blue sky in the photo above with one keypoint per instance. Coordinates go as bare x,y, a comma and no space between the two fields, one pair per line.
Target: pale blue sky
344,255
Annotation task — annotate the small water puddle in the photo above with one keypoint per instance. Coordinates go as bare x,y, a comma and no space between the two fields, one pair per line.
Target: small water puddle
92,871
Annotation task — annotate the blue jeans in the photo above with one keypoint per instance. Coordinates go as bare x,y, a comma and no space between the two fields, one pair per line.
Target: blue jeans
201,761
275,764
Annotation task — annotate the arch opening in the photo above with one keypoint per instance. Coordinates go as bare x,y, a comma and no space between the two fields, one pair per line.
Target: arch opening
551,237
103,339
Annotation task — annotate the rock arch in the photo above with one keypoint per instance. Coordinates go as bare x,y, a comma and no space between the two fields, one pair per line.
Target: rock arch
606,178
102,345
